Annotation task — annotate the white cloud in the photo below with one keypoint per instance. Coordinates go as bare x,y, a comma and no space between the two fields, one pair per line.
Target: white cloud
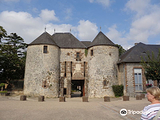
29,27
117,37
21,23
146,20
87,30
145,24
138,6
102,2
47,15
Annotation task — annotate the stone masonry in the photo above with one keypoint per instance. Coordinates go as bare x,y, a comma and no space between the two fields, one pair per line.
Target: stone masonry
52,67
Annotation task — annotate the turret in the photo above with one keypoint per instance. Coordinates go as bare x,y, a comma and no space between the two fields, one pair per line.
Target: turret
102,68
42,67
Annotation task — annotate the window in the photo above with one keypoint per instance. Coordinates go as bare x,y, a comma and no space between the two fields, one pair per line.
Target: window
84,68
105,84
78,56
71,68
45,49
138,79
65,69
91,52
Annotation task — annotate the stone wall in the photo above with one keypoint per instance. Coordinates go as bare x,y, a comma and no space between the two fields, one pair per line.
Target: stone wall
122,76
49,73
42,71
71,68
102,68
129,77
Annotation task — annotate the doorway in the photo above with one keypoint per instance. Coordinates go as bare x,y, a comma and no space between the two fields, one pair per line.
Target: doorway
78,89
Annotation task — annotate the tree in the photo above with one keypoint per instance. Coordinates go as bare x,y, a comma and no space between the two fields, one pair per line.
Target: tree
151,64
12,58
3,33
121,50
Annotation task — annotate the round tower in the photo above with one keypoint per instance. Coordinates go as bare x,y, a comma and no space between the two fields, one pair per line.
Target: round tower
42,67
102,66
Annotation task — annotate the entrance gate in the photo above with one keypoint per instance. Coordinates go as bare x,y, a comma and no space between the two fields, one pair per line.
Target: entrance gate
78,88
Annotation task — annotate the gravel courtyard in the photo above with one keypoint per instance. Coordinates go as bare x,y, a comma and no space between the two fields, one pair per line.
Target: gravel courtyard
11,108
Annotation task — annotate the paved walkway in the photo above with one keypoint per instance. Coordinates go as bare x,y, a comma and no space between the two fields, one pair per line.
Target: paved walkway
11,108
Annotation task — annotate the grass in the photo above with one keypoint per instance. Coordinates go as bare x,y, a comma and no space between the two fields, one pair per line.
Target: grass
3,91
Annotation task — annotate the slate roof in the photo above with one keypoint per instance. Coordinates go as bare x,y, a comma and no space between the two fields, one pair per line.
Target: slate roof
67,40
44,38
86,43
101,39
135,54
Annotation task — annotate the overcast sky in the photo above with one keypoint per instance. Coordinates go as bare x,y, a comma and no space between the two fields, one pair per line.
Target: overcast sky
125,22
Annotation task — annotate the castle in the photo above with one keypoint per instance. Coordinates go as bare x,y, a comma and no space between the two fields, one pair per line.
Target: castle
54,63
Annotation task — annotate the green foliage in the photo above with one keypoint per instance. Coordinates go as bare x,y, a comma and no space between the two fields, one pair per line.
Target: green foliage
2,85
121,50
86,52
118,90
3,91
151,64
3,33
12,57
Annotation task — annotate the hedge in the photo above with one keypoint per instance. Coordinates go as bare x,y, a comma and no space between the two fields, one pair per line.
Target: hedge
118,90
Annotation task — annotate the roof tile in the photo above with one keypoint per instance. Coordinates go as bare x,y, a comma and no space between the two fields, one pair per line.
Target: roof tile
138,51
44,38
101,39
67,40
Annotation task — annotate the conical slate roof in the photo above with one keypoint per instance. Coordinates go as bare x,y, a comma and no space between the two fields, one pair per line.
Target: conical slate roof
101,39
67,40
44,38
137,52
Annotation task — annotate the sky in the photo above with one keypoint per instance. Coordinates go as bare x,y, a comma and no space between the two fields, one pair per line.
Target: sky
124,22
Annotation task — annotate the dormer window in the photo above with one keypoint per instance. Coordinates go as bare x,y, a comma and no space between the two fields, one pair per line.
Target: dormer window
45,49
78,56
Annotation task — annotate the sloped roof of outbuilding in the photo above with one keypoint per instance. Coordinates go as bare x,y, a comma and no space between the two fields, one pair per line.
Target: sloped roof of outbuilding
137,52
67,40
86,43
101,39
44,38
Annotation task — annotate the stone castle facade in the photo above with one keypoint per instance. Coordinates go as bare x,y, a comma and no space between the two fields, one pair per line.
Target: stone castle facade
55,63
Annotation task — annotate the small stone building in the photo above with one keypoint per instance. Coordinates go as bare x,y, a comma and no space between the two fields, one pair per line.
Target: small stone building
56,63
130,70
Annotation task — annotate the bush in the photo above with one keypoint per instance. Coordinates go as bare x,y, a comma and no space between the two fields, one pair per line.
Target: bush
2,85
118,90
3,91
